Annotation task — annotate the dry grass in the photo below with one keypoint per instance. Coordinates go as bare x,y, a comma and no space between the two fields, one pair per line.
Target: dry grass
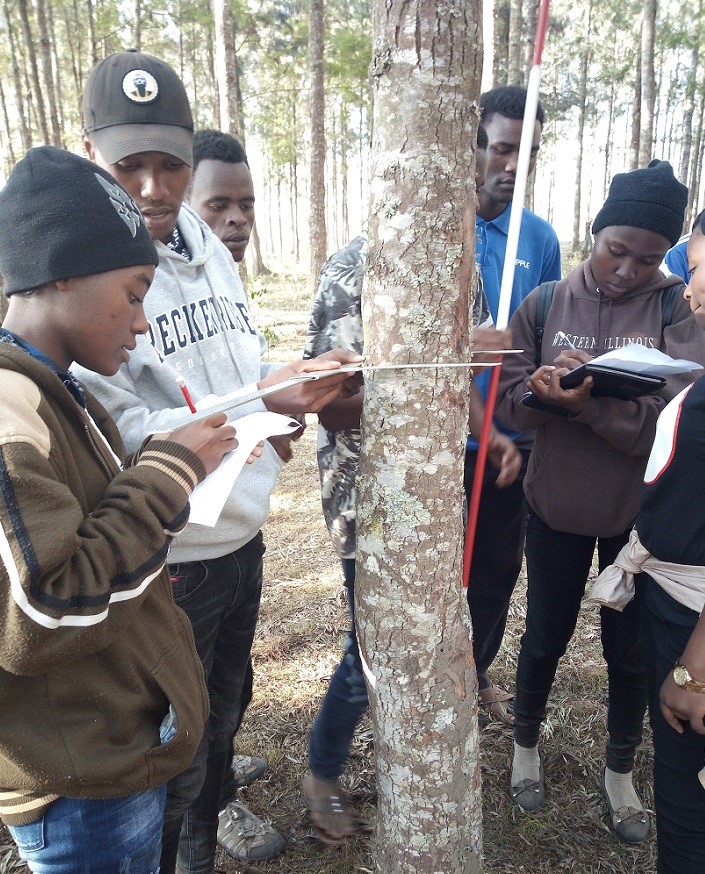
302,623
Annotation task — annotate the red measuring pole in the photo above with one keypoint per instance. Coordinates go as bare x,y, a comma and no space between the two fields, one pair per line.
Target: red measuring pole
505,295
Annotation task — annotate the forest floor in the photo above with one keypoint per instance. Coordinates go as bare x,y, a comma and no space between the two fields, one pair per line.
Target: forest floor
302,624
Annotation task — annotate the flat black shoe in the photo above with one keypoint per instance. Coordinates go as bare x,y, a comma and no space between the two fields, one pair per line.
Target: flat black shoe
530,795
628,823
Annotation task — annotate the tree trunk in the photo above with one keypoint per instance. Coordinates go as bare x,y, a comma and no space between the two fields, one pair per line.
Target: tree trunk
344,121
279,212
333,182
238,96
20,92
500,60
259,268
531,19
295,177
695,166
215,91
91,33
318,243
73,32
137,25
47,72
636,117
608,142
515,52
582,112
226,67
8,132
414,627
688,112
56,66
648,92
34,71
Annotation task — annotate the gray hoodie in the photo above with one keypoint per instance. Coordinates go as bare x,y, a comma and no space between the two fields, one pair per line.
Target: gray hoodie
200,326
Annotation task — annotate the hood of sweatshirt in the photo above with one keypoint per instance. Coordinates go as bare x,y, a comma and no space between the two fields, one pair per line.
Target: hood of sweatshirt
199,238
597,323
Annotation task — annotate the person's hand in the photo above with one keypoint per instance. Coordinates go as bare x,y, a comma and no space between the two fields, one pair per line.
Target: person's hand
312,396
282,446
679,706
545,384
210,439
282,442
256,452
343,413
503,454
572,358
486,340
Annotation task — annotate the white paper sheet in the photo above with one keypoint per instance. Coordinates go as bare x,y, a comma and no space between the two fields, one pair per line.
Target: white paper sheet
639,359
209,497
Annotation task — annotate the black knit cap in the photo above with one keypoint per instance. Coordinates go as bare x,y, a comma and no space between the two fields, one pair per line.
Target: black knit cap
650,198
62,216
136,103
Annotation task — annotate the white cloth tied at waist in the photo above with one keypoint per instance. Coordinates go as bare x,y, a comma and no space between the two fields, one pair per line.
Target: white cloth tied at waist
614,587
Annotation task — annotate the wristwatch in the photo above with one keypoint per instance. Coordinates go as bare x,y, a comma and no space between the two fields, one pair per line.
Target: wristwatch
682,678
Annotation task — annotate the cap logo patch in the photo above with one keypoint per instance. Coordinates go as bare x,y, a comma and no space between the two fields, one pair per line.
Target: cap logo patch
123,204
140,86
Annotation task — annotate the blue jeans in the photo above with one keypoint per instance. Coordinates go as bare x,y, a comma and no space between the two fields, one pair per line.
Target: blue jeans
344,703
221,598
678,794
89,836
558,565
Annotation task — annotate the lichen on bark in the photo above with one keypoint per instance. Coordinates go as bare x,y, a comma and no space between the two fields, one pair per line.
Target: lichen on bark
411,611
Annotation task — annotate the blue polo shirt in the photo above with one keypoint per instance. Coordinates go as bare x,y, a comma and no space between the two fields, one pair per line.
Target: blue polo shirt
676,259
538,260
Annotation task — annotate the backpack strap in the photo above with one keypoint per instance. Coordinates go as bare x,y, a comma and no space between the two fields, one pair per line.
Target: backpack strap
543,305
669,296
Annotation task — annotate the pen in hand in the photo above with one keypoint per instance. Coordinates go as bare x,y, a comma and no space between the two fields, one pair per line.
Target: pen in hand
560,335
181,382
185,392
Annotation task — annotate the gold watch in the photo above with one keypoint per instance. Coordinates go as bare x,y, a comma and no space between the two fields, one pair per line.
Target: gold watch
682,678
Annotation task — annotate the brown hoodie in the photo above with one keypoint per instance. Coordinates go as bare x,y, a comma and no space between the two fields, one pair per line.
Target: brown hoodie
586,470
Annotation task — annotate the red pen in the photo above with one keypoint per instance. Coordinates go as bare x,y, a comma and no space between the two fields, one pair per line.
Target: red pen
185,392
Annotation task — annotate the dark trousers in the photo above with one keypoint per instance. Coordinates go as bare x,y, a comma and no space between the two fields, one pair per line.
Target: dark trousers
496,557
678,794
221,598
344,703
558,565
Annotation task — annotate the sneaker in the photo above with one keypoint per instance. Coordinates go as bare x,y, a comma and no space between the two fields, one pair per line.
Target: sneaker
245,836
247,769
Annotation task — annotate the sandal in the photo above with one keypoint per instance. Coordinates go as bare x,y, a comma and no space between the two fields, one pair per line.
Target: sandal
328,809
497,703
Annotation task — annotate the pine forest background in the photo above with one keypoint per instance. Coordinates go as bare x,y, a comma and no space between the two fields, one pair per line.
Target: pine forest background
622,82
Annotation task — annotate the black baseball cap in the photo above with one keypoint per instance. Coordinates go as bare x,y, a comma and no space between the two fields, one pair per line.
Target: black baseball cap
136,103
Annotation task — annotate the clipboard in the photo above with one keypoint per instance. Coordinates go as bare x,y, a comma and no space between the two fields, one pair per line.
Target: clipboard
610,382
613,382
